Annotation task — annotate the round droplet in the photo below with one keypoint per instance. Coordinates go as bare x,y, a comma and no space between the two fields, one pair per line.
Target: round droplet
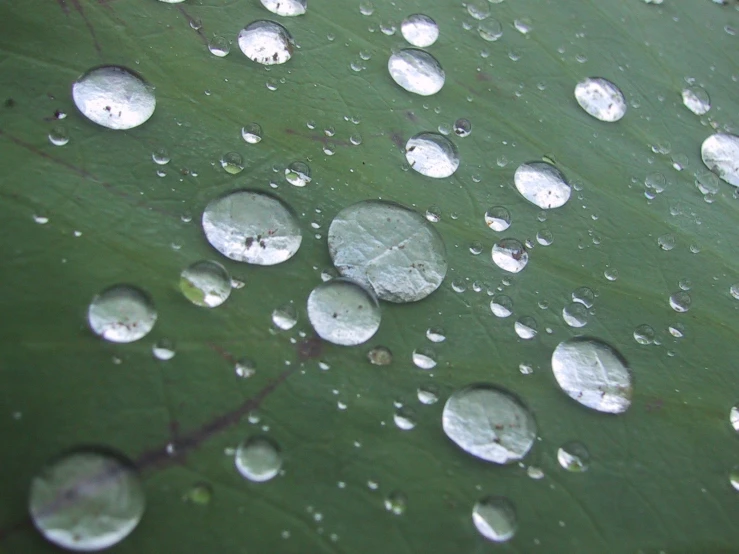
286,8
252,227
594,374
720,153
525,327
501,305
232,163
389,249
419,30
258,459
666,242
163,350
87,500
542,184
435,334
266,42
428,394
251,133
396,503
298,174
490,30
498,218
343,312
495,518
479,9
424,358
59,136
680,301
404,418
575,315
245,368
114,97
219,46
160,156
510,255
432,155
523,25
380,355
601,99
584,295
122,313
644,334
462,127
489,423
205,283
416,71
574,456
285,317
696,99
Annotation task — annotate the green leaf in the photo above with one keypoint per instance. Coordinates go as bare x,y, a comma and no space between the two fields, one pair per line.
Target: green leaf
659,474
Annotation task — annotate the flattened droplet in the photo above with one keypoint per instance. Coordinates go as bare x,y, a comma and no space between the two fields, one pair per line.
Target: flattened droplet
542,184
416,71
601,98
720,153
489,423
696,99
114,97
122,313
266,42
389,249
343,312
419,30
594,374
286,8
252,227
432,155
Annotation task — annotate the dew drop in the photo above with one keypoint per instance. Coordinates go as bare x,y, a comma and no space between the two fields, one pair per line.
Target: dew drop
433,214
429,394
59,136
696,99
501,305
404,418
266,42
343,312
232,163
666,242
462,127
251,133
298,174
490,30
575,315
396,503
424,358
432,155
498,218
286,8
601,98
258,459
205,283
122,313
574,456
526,327
160,156
644,334
542,184
285,317
435,334
419,30
495,518
720,154
219,46
680,301
510,255
416,71
163,350
478,9
245,368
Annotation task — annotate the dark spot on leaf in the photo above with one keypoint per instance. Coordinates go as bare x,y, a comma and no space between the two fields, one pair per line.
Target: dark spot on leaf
10,103
310,348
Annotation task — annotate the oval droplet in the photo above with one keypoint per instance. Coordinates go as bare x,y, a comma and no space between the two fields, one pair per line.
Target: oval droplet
122,313
266,42
542,184
720,153
258,459
498,218
416,71
432,155
601,98
419,30
205,283
343,312
286,8
696,99
574,456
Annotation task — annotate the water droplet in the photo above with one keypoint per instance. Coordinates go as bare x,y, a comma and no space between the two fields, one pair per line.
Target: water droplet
601,99
479,9
122,313
298,174
343,312
574,456
419,30
495,518
593,373
433,214
720,153
245,368
252,227
424,358
535,472
286,8
59,136
389,249
251,133
163,350
462,127
205,283
396,503
435,334
490,30
285,317
544,237
490,423
644,334
525,327
114,97
575,315
666,242
498,218
734,291
611,273
405,418
86,500
200,494
258,459
523,25
734,477
584,296
680,301
160,156
380,355
542,184
510,255
219,46
366,8
266,42
428,394
501,305
696,99
432,155
416,71
232,163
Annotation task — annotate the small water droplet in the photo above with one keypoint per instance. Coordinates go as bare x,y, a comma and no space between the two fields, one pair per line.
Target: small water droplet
405,418
163,350
575,315
498,218
526,327
424,358
122,313
285,317
435,334
720,154
644,334
396,503
680,301
501,305
429,394
286,8
495,518
298,174
574,456
432,155
232,163
696,99
219,46
419,30
601,98
251,133
542,184
258,459
59,136
205,283
490,30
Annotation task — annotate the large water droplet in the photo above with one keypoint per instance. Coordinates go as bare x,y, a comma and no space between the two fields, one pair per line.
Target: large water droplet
498,218
286,8
205,283
495,518
343,312
258,459
122,313
114,97
601,99
696,99
593,373
542,184
419,30
389,249
87,500
252,227
510,255
720,153
489,423
432,155
266,42
501,305
416,71
574,456
575,314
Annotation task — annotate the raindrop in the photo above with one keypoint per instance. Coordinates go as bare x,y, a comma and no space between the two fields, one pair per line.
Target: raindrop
435,334
535,472
251,133
258,459
611,273
266,42
734,417
433,214
544,237
396,503
160,156
666,242
114,97
366,8
510,255
232,163
419,30
432,155
542,184
245,368
525,327
285,317
490,30
122,313
720,153
389,249
424,358
523,25
252,227
380,355
86,500
429,394
575,315
219,46
163,350
734,477
489,423
601,99
205,283
479,9
680,301
476,248
343,312
696,99
59,136
501,305
574,456
593,373
462,127
644,334
298,174
416,71
498,218
404,418
286,8
495,518
734,291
